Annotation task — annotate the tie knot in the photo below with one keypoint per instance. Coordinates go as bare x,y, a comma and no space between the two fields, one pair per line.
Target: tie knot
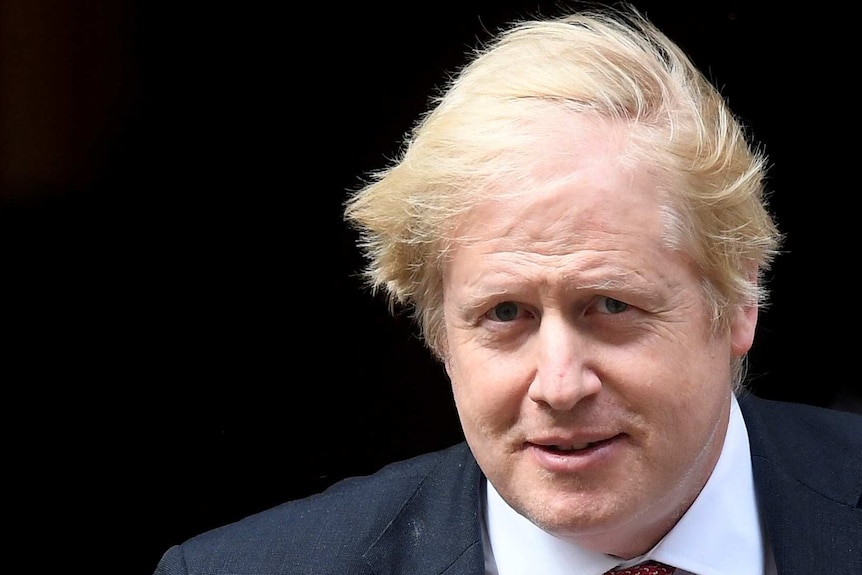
646,568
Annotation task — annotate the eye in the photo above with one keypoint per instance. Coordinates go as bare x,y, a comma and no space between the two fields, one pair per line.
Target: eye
611,306
506,311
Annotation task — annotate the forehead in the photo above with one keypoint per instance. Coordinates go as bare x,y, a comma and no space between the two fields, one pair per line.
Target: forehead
579,174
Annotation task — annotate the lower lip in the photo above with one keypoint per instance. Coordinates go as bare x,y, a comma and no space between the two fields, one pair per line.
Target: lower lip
577,461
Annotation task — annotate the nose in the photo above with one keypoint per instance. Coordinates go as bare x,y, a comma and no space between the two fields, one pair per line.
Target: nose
565,373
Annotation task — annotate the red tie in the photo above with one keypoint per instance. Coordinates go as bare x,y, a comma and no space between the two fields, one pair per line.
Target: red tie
648,568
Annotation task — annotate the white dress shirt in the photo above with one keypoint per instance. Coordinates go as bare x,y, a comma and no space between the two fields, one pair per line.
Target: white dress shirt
720,534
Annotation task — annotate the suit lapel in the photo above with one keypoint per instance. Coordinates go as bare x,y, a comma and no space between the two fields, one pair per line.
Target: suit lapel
439,529
811,514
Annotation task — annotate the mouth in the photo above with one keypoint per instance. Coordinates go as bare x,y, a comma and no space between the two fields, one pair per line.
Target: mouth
573,448
567,456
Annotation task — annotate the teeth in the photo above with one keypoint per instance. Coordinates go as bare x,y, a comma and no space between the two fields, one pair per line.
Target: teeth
575,447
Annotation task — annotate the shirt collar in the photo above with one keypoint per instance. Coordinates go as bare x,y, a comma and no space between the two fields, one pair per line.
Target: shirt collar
725,509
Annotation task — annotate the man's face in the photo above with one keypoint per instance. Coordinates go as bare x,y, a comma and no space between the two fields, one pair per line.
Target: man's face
589,383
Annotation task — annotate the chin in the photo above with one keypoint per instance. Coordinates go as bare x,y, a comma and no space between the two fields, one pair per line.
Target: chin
570,515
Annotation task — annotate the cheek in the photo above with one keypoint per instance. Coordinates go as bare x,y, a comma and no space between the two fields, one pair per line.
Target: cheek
690,393
489,390
670,377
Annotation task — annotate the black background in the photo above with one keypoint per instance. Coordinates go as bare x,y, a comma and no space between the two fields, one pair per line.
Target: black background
187,341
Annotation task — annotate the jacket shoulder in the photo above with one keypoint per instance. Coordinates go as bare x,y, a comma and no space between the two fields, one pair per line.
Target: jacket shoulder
816,446
333,527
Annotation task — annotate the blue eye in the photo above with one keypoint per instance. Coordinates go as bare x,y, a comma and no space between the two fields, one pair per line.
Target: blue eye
612,306
506,311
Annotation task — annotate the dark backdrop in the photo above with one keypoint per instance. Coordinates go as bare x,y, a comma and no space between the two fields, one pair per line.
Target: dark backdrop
187,340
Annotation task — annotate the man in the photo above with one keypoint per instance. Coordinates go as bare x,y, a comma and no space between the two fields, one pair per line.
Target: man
580,227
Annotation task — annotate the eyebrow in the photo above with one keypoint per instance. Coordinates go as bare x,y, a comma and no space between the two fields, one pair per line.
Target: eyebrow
476,298
619,280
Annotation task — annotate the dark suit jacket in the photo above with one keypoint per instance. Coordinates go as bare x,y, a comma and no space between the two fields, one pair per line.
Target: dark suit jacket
420,517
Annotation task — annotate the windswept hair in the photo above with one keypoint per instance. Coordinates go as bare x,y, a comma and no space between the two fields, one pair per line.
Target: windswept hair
612,64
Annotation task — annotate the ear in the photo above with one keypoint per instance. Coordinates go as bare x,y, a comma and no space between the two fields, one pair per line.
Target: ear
742,329
443,355
447,363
